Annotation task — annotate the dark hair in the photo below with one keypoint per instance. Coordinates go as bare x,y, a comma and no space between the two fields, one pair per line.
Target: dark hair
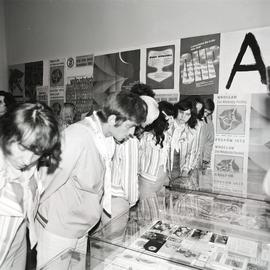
35,127
184,105
195,100
125,106
158,127
142,89
167,107
8,99
209,105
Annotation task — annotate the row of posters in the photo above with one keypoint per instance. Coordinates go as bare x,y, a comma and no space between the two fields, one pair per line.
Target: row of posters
229,67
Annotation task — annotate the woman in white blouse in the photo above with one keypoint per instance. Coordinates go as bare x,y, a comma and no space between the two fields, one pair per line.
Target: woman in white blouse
185,143
29,137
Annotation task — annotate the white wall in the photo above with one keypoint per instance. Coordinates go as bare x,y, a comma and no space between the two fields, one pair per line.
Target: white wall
44,29
3,52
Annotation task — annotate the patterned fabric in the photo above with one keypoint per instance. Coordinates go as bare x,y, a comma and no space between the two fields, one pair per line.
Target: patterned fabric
125,171
185,149
152,156
19,195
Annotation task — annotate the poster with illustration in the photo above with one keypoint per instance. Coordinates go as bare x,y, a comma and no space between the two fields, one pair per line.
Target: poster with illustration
33,78
199,65
160,67
16,81
115,71
231,146
57,80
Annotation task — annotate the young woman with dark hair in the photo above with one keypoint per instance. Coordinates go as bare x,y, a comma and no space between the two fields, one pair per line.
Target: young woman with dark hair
184,152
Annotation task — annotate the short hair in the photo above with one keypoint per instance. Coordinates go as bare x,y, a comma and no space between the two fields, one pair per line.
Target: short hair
8,99
184,105
125,106
142,89
35,127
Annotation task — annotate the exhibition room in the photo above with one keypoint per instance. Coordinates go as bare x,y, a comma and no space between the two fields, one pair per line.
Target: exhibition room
135,134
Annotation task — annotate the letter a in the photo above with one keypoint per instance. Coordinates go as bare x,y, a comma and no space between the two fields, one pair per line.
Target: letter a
250,41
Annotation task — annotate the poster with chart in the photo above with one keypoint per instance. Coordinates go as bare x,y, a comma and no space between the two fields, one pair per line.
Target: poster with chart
199,65
115,71
160,67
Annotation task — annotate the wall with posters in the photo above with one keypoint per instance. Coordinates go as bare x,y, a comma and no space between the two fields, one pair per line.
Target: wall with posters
3,51
51,28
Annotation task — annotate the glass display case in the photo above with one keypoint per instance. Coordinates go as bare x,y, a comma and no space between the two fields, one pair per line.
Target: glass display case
189,230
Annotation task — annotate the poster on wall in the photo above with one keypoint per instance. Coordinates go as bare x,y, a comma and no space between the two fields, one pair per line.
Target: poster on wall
116,71
244,58
199,65
230,153
16,81
79,87
57,69
33,78
43,94
23,80
160,67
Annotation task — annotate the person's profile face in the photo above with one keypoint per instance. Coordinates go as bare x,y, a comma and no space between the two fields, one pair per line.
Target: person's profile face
68,114
123,131
20,157
3,107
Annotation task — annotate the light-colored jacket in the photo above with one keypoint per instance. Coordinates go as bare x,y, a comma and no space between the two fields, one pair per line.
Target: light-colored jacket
72,201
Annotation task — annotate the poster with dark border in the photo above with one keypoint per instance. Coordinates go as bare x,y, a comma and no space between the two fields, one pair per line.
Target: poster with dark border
199,65
160,67
33,78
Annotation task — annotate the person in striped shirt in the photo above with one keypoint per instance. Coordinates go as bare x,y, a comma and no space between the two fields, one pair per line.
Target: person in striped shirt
29,137
125,191
153,155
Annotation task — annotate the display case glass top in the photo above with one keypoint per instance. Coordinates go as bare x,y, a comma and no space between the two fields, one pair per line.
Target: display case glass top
186,230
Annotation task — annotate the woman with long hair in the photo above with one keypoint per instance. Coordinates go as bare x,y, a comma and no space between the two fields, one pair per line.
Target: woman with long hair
184,151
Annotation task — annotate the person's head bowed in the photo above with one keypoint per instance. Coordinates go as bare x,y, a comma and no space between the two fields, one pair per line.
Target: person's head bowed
29,133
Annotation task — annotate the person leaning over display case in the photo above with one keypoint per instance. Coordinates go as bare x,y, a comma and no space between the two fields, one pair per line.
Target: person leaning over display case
153,155
125,192
80,188
29,136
